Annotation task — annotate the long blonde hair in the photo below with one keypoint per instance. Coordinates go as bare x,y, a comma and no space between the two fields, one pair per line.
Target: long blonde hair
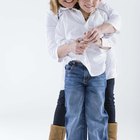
54,6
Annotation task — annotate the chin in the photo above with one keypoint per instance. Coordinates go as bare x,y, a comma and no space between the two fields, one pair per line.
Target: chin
88,11
70,6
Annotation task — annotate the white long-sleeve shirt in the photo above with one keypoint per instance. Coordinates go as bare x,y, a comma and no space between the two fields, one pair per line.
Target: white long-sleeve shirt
72,26
113,18
52,19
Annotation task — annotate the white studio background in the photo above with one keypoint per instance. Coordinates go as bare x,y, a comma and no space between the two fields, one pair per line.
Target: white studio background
29,78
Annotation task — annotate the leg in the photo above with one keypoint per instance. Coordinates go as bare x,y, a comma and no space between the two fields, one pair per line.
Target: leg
109,100
110,108
74,101
60,111
57,129
96,116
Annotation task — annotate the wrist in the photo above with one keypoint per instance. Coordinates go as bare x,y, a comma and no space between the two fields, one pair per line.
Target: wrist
100,28
69,48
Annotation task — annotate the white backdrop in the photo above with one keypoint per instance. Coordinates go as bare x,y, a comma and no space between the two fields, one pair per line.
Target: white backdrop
29,78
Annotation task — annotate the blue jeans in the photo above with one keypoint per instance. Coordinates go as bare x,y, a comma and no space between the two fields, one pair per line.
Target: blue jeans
84,101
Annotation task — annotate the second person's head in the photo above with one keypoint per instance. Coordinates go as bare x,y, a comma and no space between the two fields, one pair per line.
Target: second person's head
88,6
67,3
55,4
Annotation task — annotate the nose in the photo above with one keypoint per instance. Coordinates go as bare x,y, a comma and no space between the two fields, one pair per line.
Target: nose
90,1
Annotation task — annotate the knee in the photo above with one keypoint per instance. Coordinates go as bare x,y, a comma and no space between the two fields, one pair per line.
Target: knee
109,104
61,99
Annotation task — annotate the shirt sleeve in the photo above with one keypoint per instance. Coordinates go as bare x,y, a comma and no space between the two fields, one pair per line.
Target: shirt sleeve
50,29
60,36
108,41
113,17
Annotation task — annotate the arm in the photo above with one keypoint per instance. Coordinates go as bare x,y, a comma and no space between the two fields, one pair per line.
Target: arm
58,46
50,29
74,47
64,46
106,28
111,26
51,24
114,18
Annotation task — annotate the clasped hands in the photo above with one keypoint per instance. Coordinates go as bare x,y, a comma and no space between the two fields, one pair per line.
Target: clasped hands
92,36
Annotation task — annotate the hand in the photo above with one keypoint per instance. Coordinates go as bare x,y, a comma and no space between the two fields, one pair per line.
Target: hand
92,35
78,47
98,42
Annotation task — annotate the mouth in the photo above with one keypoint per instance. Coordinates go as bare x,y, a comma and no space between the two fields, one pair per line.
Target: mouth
89,6
69,1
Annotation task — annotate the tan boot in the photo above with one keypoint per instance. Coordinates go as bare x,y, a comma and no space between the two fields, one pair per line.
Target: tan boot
57,132
112,131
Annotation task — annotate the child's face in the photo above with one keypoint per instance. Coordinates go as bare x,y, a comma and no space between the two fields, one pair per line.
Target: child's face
67,3
89,5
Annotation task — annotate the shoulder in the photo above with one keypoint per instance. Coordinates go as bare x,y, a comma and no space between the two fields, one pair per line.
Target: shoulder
64,12
101,12
51,15
103,3
51,18
105,6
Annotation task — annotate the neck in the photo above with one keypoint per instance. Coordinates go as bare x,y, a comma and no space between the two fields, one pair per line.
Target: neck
85,14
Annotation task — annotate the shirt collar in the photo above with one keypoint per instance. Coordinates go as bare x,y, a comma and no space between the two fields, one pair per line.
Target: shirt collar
61,9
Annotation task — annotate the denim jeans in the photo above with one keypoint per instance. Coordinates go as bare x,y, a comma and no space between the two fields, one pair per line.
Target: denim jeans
60,111
84,101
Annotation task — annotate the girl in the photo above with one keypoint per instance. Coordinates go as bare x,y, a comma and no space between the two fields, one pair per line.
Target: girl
84,63
57,129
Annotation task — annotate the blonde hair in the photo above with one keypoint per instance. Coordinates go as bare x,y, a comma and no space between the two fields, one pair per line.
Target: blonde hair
54,6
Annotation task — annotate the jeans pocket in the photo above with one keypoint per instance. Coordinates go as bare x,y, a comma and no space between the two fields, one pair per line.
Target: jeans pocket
68,67
100,80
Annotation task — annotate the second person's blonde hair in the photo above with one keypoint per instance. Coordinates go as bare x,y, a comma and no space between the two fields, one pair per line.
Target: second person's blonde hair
54,6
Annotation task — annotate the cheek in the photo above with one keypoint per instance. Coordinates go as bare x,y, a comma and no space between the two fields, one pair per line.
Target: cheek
80,3
65,4
97,3
62,2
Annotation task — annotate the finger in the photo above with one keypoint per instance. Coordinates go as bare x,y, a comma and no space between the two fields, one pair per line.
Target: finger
79,51
92,37
83,46
83,42
79,40
93,31
95,39
87,34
